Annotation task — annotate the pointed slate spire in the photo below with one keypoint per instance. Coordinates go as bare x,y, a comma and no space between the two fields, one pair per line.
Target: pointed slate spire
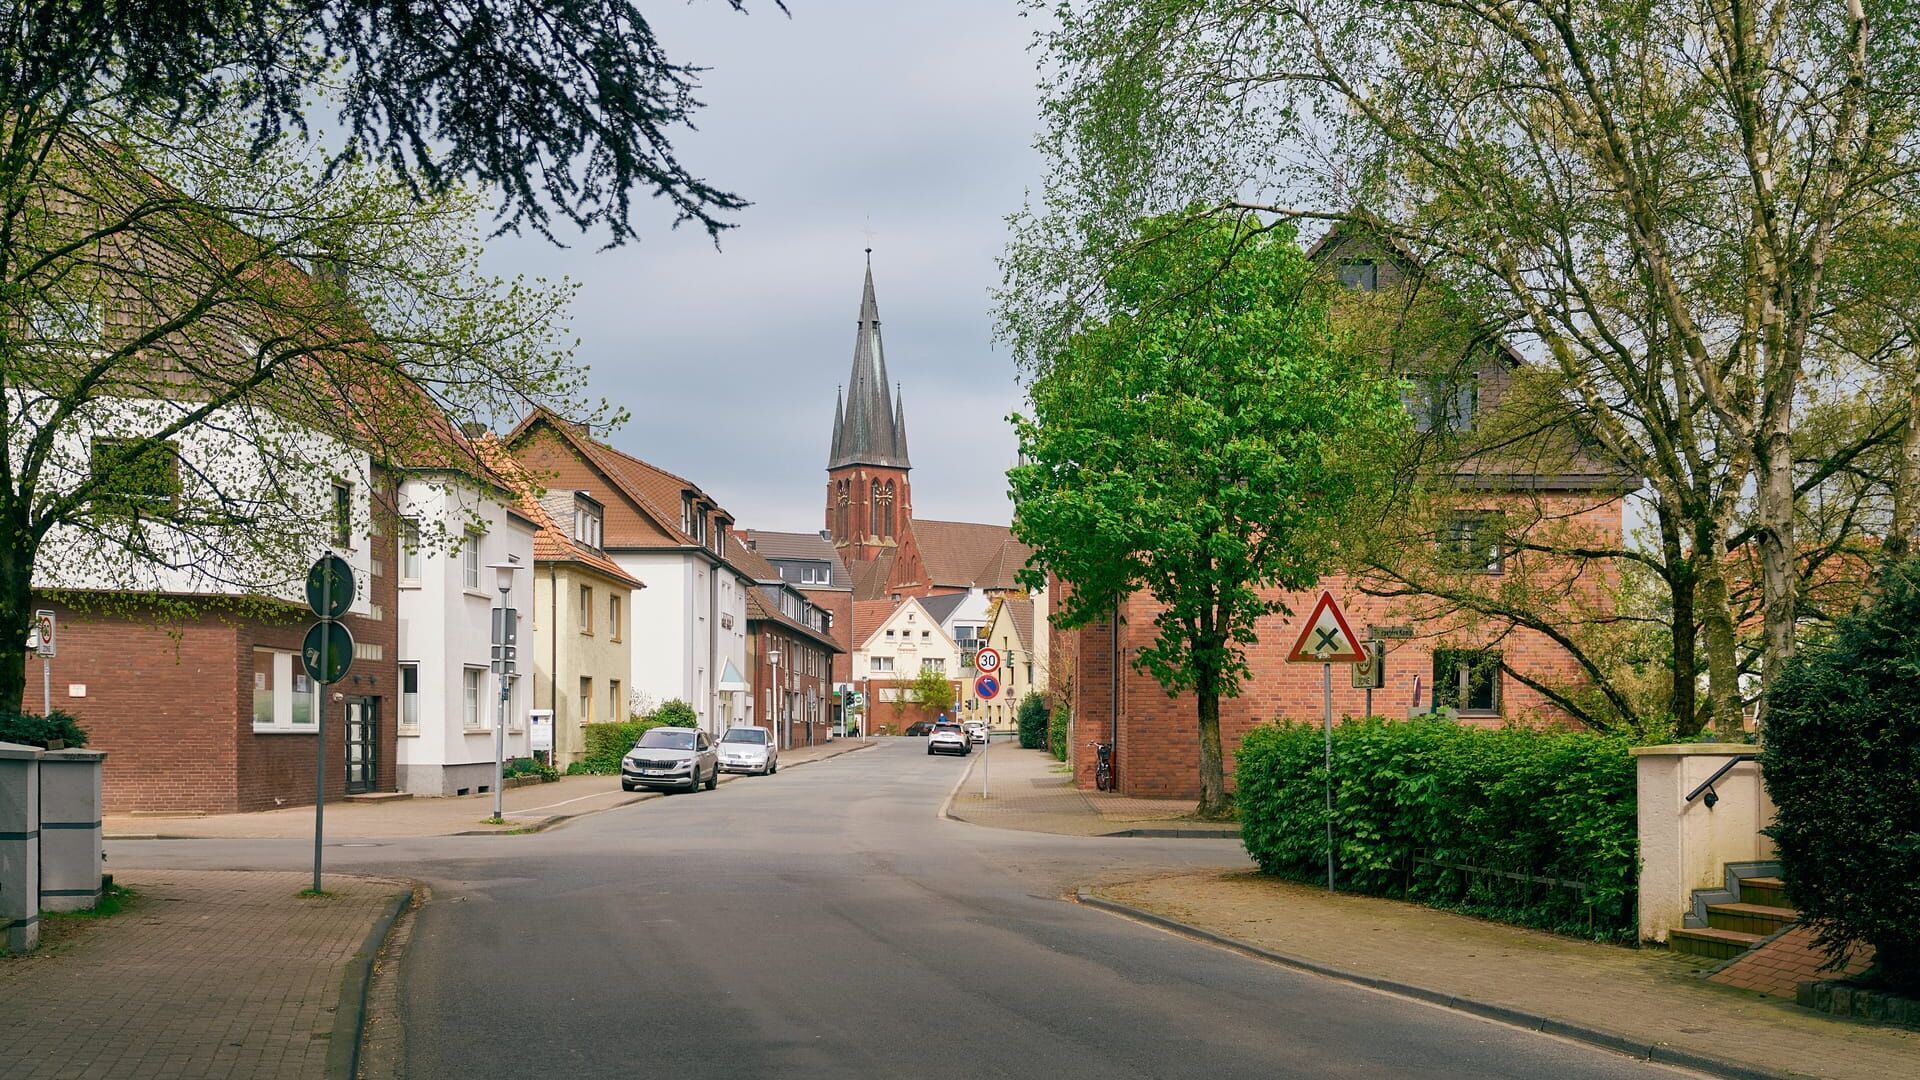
866,433
899,423
838,422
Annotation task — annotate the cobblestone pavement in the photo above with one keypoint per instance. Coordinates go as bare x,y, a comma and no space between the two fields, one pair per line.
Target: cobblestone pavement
1644,995
1030,791
207,973
536,806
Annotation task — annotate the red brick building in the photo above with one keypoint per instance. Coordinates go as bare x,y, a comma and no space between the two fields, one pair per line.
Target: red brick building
1486,670
790,652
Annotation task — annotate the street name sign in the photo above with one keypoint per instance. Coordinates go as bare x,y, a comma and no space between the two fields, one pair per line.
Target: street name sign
1390,633
1326,638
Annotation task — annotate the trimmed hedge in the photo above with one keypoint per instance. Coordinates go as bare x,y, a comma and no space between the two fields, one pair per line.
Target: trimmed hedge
30,729
1058,731
1842,763
1488,822
1033,721
606,744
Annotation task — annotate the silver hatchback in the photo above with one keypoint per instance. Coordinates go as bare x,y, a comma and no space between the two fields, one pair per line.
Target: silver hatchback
675,759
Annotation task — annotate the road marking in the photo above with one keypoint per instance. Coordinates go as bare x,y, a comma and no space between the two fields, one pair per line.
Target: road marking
582,798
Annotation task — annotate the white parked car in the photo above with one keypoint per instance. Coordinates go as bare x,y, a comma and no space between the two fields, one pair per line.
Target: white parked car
677,759
749,750
977,732
948,738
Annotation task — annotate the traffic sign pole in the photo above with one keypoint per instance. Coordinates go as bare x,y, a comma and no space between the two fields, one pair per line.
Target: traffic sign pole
1326,683
320,761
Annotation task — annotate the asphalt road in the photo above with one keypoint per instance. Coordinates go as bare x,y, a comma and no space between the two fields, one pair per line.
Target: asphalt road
826,922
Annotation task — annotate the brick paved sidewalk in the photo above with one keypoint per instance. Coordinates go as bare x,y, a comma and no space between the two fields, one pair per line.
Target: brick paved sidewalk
536,806
208,973
1030,791
1644,996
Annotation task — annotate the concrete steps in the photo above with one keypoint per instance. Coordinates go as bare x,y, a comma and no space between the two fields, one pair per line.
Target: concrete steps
1726,922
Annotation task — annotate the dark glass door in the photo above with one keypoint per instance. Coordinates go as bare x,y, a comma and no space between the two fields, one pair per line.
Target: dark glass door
363,744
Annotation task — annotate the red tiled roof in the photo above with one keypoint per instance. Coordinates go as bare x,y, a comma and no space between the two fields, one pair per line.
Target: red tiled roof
867,617
969,555
551,543
758,610
748,561
870,578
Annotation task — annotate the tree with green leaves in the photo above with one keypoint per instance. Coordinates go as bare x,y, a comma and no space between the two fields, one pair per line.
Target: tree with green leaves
932,690
1655,201
1200,442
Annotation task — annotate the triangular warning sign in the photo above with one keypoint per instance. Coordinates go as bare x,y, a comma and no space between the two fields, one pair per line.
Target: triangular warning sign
1326,638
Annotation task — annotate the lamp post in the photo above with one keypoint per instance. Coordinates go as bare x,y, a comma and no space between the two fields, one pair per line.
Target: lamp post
506,633
778,720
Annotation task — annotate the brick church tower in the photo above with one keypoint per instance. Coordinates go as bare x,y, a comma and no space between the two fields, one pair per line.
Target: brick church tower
869,500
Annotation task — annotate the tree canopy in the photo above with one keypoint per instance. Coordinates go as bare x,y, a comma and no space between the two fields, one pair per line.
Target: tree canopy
1201,442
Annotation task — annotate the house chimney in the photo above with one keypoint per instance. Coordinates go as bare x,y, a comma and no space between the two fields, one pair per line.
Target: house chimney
827,535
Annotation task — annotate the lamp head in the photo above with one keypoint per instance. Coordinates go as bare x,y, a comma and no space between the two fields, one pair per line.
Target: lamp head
503,575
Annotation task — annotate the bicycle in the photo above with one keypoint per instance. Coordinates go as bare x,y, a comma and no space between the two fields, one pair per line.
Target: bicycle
1103,766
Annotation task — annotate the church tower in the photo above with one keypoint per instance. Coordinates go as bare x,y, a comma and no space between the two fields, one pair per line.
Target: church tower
869,502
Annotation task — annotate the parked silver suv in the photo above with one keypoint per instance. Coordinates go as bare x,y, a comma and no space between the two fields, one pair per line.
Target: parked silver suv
676,759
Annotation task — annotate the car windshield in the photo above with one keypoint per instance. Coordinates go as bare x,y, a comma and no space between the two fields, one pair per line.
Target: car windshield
667,739
946,727
746,735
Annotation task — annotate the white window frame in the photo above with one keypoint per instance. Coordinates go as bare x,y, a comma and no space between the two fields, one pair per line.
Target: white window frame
409,723
880,663
412,558
288,673
470,562
473,699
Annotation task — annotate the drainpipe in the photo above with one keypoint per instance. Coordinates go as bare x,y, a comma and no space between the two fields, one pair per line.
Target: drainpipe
1114,692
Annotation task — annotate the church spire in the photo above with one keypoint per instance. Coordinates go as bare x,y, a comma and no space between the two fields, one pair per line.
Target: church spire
871,430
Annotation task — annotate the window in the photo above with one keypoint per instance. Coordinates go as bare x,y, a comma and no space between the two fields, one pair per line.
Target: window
470,561
1471,543
1360,274
686,514
845,491
282,693
409,549
889,633
616,705
586,699
926,633
342,514
410,698
132,481
587,524
934,663
1442,402
1467,681
880,663
586,609
614,622
471,682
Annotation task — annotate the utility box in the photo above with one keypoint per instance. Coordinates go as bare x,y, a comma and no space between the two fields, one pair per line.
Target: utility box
20,846
70,836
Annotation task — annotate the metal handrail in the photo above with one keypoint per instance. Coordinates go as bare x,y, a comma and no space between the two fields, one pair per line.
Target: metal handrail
1707,784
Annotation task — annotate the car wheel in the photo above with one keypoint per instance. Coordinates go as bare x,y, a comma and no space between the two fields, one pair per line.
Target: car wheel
713,778
624,786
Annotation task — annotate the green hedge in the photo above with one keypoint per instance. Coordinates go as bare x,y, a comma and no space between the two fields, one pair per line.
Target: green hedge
1058,730
30,729
1033,721
1842,764
1455,817
606,744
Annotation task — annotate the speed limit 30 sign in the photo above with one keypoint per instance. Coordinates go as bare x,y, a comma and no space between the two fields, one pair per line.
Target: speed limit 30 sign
986,661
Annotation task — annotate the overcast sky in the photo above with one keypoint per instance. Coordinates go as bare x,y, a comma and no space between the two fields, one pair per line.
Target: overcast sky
913,119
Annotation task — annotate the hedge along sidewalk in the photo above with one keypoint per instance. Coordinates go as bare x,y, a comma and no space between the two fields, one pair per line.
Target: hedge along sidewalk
532,808
205,973
1628,999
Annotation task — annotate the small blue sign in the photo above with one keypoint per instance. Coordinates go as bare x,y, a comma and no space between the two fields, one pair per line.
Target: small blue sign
986,686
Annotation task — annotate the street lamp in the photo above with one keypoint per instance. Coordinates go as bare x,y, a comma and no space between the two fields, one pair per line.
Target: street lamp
506,634
778,719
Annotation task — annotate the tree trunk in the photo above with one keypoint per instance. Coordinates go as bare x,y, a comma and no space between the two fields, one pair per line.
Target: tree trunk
1906,478
1716,619
1779,566
16,607
1683,702
1213,777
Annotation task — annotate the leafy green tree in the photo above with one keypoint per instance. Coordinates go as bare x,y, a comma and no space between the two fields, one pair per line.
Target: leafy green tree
1033,719
1201,442
1842,763
674,713
932,690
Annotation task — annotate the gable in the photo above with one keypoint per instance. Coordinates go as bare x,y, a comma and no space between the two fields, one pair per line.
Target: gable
557,466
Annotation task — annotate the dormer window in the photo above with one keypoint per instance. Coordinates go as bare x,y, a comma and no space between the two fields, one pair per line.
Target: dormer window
1360,275
588,527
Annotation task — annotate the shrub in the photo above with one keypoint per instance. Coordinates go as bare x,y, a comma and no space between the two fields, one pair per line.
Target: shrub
606,744
1033,722
1493,823
1842,763
1058,732
29,729
526,766
672,713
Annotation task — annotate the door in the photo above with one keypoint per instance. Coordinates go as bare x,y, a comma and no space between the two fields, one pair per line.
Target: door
363,744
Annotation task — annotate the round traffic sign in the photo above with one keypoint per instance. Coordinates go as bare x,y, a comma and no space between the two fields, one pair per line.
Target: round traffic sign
986,686
330,586
986,661
339,651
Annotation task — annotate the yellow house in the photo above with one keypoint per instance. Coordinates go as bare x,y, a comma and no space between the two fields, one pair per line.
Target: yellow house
582,626
1010,632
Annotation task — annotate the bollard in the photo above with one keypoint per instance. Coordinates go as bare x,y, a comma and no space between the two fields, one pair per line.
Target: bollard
70,838
20,846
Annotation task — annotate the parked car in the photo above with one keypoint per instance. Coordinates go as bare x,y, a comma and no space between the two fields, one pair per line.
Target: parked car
977,732
948,739
676,759
749,750
920,728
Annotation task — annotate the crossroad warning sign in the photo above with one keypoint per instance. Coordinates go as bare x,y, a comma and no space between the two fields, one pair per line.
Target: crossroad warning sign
1326,638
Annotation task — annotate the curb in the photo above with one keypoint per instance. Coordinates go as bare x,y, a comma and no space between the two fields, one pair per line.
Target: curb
1605,1040
350,1015
1201,833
